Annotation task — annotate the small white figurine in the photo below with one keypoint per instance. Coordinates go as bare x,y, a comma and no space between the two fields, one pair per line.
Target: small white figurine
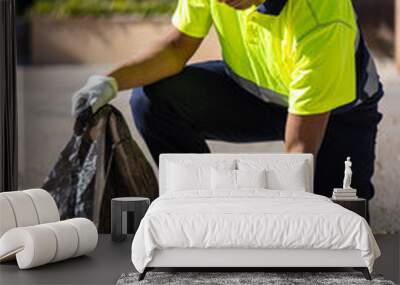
347,174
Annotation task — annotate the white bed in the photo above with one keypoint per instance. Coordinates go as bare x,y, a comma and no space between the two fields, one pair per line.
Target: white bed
248,227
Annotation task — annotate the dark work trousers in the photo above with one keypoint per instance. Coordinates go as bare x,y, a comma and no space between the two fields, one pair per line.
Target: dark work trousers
178,114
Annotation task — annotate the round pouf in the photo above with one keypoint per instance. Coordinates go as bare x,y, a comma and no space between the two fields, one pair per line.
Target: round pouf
127,212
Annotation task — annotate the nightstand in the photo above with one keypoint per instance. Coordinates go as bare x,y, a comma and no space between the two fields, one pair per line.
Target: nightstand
358,206
122,220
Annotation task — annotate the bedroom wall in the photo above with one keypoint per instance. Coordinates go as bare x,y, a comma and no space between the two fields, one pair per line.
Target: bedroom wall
46,125
385,206
44,93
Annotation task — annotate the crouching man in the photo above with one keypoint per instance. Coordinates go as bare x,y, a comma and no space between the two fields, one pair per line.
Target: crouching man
297,71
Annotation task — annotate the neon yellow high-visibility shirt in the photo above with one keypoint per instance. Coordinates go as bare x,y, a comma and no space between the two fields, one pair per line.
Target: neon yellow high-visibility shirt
303,57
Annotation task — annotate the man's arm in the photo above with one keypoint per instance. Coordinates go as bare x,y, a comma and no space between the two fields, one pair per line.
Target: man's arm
163,59
304,134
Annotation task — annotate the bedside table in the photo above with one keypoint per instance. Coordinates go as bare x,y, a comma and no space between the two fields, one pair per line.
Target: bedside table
358,206
121,223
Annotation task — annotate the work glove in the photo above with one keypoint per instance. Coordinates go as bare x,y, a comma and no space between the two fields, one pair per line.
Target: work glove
97,92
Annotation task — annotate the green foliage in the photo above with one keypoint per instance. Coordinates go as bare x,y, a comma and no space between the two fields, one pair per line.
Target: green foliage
75,8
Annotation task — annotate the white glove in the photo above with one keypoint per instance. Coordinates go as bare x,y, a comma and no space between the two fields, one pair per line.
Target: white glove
96,93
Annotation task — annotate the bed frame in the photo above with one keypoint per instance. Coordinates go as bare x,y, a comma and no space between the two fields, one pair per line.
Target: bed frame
246,259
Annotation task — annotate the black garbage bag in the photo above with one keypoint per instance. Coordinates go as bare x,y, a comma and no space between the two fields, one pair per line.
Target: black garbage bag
101,161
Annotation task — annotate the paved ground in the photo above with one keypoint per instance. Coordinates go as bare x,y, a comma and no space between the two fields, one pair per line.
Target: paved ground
46,125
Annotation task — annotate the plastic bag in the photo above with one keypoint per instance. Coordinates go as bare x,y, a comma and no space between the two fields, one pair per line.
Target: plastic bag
101,161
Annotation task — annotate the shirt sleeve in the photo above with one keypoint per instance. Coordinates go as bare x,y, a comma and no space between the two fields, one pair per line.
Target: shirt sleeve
193,17
324,73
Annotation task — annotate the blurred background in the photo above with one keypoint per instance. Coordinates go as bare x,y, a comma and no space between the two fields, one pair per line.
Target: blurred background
62,42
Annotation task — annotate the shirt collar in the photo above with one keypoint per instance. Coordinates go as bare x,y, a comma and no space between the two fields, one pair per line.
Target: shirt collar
272,7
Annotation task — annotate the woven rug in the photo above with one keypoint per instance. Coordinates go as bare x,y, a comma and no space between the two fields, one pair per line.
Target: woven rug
244,278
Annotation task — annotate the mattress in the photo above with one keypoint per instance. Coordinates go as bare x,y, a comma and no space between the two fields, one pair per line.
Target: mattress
251,219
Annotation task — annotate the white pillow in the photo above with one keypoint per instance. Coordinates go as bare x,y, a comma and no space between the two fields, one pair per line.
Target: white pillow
291,175
227,179
181,178
186,174
251,178
223,179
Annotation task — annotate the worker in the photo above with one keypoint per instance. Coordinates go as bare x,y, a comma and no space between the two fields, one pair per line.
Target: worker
292,70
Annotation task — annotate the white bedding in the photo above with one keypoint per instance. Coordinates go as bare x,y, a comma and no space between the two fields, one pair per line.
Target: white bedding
250,219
